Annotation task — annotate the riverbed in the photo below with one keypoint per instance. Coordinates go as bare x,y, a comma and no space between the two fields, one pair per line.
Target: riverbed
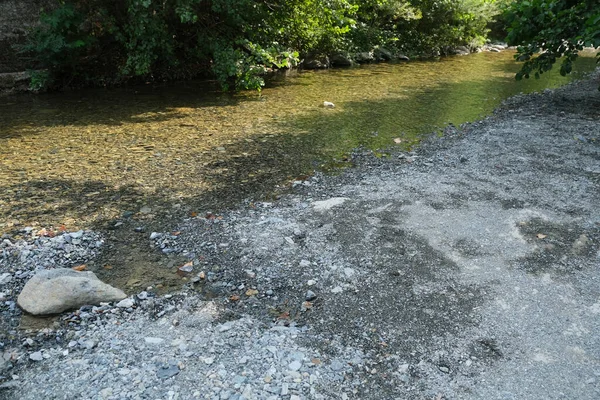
128,161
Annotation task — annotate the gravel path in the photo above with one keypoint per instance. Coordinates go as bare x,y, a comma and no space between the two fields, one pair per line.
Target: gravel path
469,269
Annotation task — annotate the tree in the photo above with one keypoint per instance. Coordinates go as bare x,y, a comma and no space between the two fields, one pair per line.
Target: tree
546,30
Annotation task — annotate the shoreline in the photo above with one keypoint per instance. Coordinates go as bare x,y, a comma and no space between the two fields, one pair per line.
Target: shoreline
412,271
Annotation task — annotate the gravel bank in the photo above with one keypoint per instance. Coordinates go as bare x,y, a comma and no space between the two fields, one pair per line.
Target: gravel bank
469,269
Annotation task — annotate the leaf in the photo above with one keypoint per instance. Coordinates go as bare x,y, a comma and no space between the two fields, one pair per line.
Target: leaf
193,214
284,315
108,267
541,236
81,267
251,292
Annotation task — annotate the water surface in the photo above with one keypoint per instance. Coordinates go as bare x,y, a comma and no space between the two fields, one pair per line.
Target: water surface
92,157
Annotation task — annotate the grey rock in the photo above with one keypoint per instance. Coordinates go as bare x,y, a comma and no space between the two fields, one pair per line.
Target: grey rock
364,57
37,356
310,295
167,371
142,295
383,54
57,290
126,303
295,365
5,278
444,369
76,235
154,340
316,62
340,60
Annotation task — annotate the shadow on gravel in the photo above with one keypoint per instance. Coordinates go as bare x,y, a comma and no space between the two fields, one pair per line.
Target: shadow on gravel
561,249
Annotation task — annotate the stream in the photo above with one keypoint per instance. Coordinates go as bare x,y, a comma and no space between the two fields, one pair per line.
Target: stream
117,159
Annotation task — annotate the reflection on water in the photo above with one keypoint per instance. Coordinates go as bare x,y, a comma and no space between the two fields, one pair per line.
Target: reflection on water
86,157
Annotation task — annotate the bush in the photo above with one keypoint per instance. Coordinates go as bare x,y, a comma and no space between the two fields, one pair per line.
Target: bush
110,41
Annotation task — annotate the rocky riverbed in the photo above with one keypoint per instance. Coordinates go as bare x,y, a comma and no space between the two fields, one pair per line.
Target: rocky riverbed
468,269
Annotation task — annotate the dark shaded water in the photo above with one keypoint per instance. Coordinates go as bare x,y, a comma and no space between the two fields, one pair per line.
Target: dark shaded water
85,158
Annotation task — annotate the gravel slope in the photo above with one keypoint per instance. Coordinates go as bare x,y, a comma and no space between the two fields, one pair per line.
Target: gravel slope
469,269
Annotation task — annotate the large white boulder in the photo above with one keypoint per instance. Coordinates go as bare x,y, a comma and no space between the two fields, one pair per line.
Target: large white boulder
56,290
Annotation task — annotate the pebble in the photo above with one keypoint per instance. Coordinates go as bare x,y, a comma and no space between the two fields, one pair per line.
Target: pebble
310,295
126,303
295,365
5,278
142,295
37,356
166,372
153,340
337,289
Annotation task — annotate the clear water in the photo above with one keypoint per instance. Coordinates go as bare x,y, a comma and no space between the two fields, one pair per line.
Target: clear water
85,157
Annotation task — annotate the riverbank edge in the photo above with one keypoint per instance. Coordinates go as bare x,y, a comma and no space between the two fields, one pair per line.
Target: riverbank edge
46,339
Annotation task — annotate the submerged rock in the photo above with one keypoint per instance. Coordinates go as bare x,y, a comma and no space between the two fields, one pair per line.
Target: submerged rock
340,60
315,62
54,291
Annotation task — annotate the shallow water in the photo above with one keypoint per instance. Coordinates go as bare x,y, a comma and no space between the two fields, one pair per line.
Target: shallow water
84,158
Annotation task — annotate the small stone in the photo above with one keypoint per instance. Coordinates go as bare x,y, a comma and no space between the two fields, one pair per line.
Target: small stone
76,235
311,282
126,303
37,356
337,289
310,295
142,295
145,210
304,263
444,369
89,344
154,235
154,340
5,278
284,389
268,379
295,365
166,372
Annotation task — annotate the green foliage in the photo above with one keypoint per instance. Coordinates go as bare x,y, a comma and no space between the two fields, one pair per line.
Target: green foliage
547,30
236,41
58,43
